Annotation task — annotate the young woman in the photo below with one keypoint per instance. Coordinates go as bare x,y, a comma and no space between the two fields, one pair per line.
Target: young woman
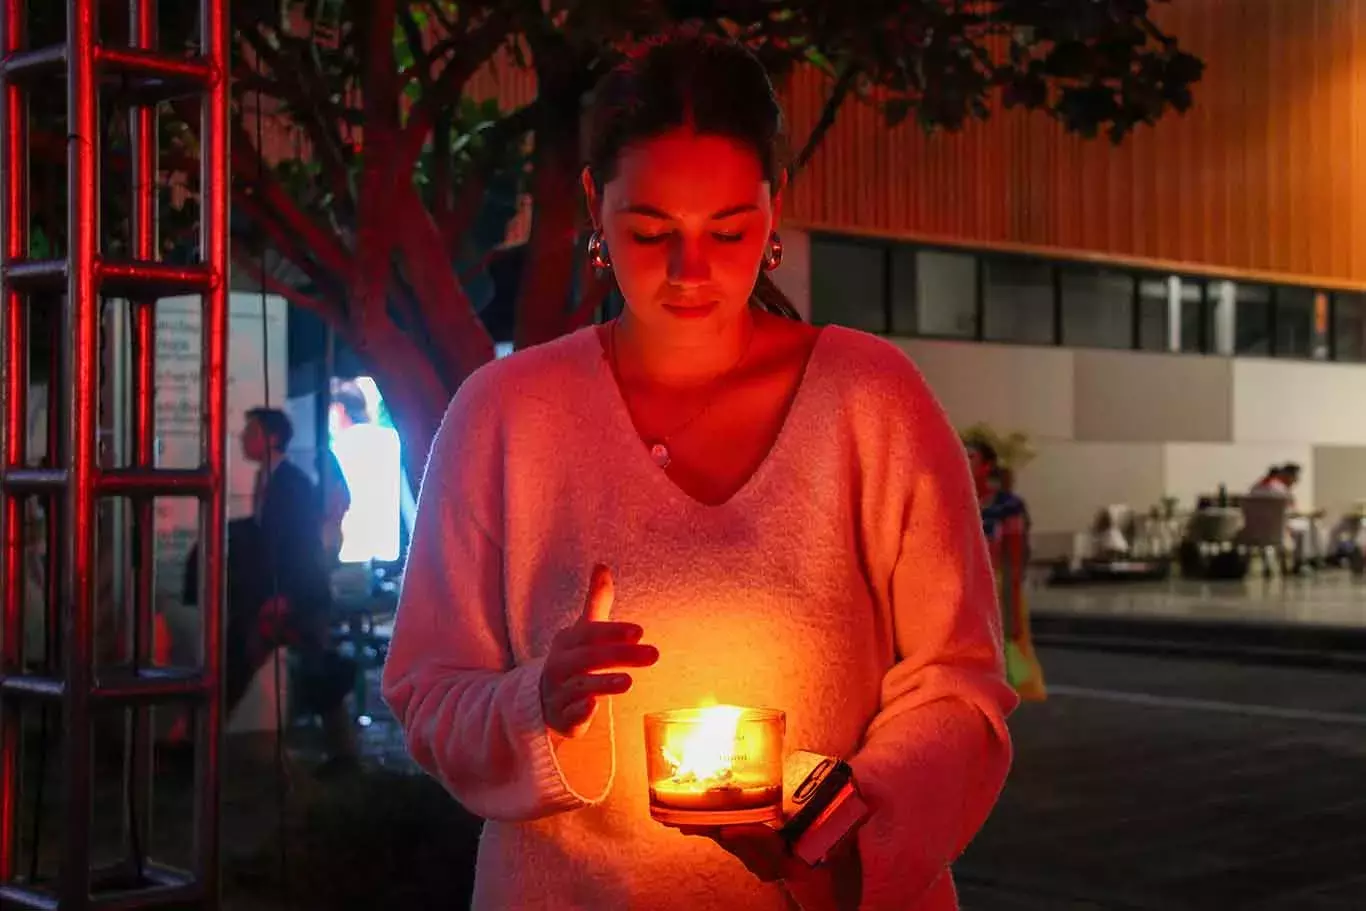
703,499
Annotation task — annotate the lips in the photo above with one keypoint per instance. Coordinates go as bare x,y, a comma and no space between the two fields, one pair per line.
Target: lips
691,308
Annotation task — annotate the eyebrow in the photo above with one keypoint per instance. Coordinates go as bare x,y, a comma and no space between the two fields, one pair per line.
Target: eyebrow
652,212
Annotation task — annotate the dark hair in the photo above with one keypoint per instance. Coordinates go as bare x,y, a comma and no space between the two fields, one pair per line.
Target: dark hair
352,401
687,79
1290,468
985,450
275,423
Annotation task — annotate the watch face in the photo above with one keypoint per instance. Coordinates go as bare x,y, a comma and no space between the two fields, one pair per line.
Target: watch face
807,788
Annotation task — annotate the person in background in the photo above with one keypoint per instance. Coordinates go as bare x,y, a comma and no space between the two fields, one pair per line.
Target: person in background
1305,529
292,569
336,500
370,459
1272,482
1006,524
998,503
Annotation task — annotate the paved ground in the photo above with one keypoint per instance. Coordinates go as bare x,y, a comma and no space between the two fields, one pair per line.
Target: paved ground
1142,783
1333,598
1169,784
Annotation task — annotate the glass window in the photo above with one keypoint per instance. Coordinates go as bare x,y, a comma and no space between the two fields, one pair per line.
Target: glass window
1252,319
1197,318
1018,301
946,292
848,284
1154,314
1097,308
1295,323
904,320
1349,327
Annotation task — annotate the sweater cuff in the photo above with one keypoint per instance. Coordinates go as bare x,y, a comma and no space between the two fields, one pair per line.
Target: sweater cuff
576,773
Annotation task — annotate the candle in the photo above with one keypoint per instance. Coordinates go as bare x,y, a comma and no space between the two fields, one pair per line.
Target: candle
715,765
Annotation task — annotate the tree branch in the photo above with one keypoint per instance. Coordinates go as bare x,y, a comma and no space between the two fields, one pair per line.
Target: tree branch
456,331
321,308
422,59
284,241
381,76
310,98
478,45
247,165
844,84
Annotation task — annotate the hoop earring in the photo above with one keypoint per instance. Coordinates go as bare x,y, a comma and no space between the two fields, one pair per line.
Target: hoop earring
597,253
773,256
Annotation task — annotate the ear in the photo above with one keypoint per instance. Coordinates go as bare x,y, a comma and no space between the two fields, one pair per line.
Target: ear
777,201
592,198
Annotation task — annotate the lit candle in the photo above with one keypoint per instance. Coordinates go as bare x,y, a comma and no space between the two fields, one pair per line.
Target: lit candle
717,765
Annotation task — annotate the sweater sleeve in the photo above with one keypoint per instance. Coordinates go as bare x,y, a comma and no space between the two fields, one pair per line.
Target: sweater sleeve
471,715
935,756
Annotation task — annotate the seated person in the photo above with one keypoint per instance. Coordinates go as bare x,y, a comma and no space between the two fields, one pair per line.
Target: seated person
1303,528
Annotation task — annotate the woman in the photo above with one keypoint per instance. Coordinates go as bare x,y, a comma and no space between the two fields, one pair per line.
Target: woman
788,521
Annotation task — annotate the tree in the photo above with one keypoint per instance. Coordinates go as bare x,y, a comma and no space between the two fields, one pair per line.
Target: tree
388,219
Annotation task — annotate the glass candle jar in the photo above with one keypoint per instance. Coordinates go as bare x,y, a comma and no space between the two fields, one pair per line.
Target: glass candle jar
713,766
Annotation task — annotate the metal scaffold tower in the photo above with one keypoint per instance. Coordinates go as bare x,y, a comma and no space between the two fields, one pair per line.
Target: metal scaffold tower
73,481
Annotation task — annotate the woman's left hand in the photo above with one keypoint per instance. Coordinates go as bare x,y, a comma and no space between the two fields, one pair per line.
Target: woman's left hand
764,852
758,847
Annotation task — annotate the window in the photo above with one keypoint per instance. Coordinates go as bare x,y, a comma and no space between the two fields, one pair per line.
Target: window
849,284
1252,320
1017,298
946,293
904,320
1097,308
1349,327
1197,317
1295,323
1154,314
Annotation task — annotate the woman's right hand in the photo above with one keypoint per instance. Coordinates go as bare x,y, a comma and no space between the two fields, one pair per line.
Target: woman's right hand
586,659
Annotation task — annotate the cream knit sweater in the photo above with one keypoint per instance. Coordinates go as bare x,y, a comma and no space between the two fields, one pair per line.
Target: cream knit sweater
847,583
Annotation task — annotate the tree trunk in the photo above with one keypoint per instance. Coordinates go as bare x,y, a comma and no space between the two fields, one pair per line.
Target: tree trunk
552,266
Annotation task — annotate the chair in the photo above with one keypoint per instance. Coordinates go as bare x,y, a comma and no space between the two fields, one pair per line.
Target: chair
1264,530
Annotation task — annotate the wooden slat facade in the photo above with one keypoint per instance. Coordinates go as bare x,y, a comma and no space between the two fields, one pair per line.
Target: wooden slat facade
1265,176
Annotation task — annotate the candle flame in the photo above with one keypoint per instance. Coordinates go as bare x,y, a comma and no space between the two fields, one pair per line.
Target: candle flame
705,752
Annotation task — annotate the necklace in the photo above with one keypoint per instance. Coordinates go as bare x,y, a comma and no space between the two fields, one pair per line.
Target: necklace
659,447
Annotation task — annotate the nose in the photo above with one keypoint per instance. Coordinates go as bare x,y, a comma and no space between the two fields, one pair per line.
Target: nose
689,266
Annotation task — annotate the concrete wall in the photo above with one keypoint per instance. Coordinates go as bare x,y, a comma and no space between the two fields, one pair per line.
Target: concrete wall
1130,427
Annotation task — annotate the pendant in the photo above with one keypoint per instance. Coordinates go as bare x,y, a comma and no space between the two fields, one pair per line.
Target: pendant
660,454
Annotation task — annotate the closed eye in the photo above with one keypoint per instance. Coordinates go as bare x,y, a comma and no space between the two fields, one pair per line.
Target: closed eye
728,237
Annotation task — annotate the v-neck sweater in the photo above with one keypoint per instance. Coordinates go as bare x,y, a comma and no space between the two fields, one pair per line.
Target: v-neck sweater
846,583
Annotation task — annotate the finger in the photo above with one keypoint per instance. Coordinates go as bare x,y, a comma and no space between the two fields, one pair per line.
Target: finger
591,658
599,631
699,831
577,712
597,607
766,860
586,685
750,831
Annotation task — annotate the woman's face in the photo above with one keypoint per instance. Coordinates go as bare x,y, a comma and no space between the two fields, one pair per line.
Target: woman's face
686,219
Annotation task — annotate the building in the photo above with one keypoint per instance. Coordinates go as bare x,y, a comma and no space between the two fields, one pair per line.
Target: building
1162,317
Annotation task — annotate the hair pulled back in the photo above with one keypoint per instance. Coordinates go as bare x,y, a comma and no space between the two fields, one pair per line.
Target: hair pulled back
712,85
